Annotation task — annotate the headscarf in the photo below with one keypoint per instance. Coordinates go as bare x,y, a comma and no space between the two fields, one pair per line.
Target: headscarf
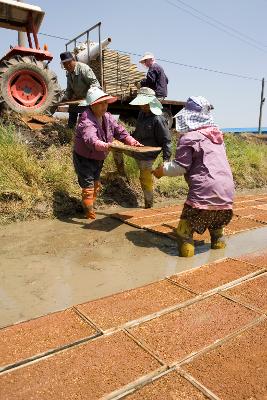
196,114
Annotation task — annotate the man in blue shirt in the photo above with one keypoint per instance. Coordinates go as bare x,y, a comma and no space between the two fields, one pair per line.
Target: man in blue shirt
156,78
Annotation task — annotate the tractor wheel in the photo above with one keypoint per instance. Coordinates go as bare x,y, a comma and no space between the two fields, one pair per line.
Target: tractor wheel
28,86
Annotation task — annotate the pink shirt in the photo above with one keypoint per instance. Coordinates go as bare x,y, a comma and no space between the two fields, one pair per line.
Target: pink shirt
91,138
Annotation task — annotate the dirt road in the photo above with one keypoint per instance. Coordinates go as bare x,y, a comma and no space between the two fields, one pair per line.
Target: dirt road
49,265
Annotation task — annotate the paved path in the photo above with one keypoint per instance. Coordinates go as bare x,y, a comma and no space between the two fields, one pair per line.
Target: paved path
200,334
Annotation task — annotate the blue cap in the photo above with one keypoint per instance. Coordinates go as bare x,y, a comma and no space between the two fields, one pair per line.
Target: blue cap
66,56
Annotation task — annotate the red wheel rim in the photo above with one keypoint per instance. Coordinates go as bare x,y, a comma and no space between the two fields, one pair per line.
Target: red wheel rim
27,88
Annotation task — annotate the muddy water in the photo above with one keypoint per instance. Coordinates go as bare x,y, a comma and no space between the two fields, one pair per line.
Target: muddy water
47,266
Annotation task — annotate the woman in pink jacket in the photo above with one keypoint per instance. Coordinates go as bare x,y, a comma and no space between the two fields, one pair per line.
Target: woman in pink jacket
94,134
201,158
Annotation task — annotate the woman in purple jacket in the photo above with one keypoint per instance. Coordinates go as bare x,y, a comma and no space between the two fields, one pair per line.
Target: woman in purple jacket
201,158
94,134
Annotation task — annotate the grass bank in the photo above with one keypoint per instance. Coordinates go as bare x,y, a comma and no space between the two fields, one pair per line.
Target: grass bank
36,184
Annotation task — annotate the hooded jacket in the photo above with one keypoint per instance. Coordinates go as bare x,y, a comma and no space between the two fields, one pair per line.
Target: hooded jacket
208,174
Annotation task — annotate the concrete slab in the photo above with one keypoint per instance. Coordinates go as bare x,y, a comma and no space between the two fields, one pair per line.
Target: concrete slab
241,224
256,258
236,370
127,215
167,229
262,207
249,197
244,204
88,371
113,311
260,216
155,220
174,336
21,341
171,386
252,292
246,211
211,276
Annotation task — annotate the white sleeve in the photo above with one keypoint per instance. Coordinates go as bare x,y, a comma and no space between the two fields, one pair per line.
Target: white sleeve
172,168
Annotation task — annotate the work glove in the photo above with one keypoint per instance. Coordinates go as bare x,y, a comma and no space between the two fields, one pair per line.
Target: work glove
158,172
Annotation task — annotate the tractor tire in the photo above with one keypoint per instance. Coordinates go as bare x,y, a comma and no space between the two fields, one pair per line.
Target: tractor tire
28,86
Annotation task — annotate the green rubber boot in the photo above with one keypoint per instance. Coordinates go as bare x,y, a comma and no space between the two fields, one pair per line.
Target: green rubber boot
185,240
217,239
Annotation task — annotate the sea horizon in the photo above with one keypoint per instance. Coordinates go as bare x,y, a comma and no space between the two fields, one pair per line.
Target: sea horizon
243,130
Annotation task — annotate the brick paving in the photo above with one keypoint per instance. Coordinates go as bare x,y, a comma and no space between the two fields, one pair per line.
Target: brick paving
41,335
200,334
250,212
237,368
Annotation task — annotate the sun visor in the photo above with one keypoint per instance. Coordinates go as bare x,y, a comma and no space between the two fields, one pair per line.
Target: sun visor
16,16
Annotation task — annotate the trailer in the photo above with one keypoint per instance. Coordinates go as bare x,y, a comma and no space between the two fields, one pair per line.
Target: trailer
116,74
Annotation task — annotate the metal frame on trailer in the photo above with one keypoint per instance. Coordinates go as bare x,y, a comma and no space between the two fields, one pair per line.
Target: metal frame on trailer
87,33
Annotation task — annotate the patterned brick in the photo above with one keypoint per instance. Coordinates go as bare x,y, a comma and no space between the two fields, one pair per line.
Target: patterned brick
88,371
27,339
235,370
252,292
169,387
120,308
214,275
176,335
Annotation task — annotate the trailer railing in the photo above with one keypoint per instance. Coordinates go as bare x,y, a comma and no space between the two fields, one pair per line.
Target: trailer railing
87,34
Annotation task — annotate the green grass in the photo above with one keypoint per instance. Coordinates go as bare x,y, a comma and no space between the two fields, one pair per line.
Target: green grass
248,160
31,186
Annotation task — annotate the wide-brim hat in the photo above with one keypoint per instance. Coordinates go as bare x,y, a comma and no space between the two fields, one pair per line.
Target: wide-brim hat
147,56
147,96
96,95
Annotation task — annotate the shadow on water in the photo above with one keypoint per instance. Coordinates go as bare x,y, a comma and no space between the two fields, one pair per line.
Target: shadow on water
146,239
106,224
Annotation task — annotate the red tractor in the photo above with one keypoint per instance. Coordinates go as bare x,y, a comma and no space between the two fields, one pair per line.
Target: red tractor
27,85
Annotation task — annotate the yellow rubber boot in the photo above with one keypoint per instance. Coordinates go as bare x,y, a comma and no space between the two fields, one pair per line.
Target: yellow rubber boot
146,180
185,240
217,239
88,202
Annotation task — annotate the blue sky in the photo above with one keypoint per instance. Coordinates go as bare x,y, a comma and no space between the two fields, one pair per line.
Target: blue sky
161,27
